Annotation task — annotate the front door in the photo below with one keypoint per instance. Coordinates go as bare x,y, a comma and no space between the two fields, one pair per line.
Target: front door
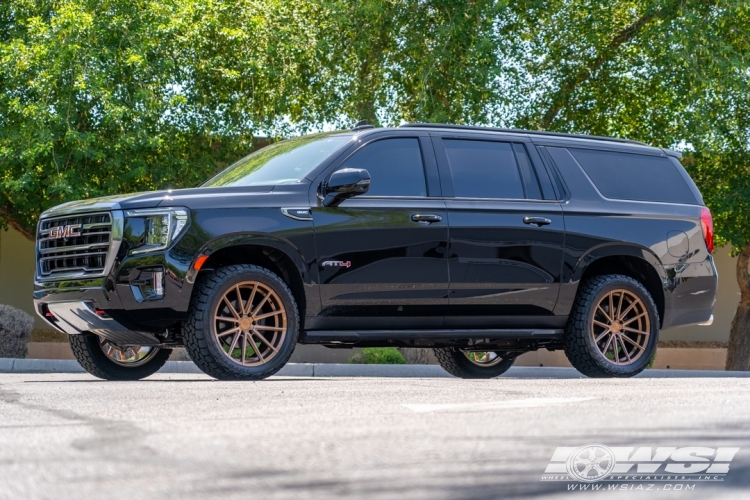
506,242
382,256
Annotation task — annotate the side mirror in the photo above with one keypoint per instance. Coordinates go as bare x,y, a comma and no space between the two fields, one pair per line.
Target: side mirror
344,184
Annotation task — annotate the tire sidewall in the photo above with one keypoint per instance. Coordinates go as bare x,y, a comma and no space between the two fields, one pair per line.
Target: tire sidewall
653,339
285,351
98,364
469,369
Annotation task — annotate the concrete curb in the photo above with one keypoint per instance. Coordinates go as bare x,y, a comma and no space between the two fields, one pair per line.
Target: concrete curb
9,365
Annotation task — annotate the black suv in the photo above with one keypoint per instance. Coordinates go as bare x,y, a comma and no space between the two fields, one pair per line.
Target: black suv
479,243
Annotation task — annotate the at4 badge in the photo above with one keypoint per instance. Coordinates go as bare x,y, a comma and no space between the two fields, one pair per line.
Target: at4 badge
337,263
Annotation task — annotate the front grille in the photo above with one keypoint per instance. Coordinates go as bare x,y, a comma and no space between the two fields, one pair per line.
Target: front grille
62,253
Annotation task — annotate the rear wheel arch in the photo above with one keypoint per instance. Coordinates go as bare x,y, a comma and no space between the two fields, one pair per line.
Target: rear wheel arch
644,268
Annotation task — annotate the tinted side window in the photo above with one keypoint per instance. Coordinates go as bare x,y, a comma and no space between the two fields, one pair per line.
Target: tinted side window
483,169
627,176
395,166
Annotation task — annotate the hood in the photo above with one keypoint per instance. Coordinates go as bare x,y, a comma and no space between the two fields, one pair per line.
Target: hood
195,198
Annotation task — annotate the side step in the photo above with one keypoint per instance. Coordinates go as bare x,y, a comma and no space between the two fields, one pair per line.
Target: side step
325,336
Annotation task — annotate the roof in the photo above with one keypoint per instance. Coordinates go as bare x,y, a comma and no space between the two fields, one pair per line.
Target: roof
518,131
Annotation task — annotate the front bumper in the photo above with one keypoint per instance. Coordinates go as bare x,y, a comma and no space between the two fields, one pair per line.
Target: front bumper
77,317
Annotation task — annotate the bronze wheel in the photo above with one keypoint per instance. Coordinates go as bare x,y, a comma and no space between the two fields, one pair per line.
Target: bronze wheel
621,327
613,328
472,364
130,356
250,323
485,358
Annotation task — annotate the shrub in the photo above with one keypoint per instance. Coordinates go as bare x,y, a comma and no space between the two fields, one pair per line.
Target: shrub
15,330
378,356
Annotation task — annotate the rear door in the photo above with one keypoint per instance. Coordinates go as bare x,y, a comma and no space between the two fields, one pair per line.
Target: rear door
506,237
382,256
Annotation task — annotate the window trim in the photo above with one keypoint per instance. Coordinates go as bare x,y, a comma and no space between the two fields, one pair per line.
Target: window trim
446,173
429,186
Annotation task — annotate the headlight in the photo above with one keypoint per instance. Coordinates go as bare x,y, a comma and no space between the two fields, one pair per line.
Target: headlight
161,226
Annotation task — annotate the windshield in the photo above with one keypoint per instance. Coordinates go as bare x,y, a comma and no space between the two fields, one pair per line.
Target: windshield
282,163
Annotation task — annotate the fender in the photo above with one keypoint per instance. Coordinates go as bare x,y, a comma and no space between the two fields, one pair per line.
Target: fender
614,249
254,239
572,274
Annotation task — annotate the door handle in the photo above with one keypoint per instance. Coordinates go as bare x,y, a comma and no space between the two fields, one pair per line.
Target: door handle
537,221
426,218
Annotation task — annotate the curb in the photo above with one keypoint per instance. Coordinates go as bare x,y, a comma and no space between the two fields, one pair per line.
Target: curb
11,365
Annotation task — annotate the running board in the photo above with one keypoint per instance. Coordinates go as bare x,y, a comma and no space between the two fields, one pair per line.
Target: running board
325,336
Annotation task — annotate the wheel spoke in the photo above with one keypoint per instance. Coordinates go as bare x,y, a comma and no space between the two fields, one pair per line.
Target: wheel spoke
250,300
227,332
244,346
606,346
270,328
634,318
234,343
257,352
240,307
601,336
231,307
260,305
619,305
268,315
225,319
599,307
264,340
611,306
636,344
633,330
603,325
625,349
626,311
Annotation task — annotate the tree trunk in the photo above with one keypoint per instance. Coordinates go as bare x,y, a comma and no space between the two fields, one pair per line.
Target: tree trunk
738,354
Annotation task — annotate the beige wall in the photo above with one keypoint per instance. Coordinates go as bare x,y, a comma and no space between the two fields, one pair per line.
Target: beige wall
17,277
17,273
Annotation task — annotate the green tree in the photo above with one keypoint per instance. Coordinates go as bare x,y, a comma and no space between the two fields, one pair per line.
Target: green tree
670,73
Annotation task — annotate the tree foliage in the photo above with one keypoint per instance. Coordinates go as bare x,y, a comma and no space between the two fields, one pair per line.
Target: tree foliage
111,96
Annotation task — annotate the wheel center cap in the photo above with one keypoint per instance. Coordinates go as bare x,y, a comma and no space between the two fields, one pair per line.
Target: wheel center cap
616,327
246,323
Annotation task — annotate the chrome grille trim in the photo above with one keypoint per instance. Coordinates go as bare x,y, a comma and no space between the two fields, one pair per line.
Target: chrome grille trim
90,255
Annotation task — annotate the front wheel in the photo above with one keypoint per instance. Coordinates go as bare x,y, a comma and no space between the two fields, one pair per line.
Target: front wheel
243,323
473,364
613,328
108,361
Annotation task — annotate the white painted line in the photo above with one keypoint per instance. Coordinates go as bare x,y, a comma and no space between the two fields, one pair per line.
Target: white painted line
513,403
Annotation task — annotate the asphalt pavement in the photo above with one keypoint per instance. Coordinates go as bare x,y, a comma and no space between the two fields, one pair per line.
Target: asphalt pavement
185,436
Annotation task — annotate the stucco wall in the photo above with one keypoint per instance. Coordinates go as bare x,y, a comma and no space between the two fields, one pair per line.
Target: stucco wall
17,275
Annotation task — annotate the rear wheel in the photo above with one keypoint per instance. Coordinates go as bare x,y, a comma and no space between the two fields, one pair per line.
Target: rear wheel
613,328
108,361
473,364
243,323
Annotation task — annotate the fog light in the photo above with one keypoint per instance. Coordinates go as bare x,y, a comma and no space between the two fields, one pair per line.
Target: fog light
158,284
148,285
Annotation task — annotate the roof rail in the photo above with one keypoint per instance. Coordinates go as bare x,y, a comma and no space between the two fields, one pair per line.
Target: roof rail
519,131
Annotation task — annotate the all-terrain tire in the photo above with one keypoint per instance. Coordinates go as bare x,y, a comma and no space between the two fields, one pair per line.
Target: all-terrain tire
198,329
456,363
86,349
578,340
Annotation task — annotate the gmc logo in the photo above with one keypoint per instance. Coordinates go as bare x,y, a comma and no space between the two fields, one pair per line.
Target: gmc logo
337,263
70,231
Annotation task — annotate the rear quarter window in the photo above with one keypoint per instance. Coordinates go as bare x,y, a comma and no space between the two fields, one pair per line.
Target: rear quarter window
628,176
